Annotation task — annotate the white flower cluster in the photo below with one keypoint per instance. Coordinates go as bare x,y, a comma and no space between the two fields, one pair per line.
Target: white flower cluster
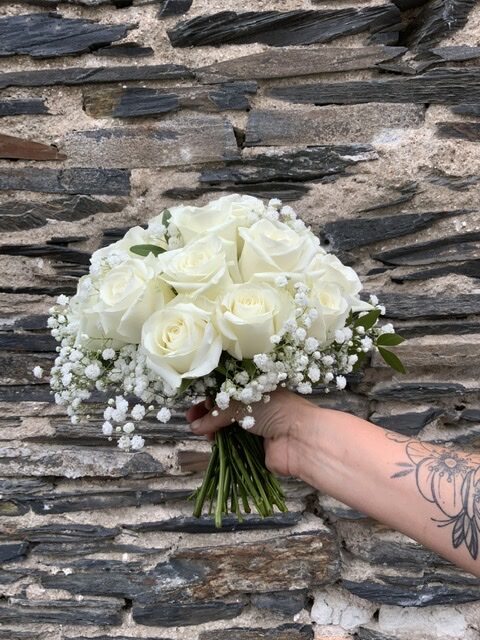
229,300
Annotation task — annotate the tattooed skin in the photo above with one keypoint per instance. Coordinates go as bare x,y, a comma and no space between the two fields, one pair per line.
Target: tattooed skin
451,481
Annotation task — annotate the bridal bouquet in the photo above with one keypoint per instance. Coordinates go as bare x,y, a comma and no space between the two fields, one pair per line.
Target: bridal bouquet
228,301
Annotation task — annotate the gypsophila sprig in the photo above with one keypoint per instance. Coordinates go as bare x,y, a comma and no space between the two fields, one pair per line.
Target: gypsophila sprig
230,301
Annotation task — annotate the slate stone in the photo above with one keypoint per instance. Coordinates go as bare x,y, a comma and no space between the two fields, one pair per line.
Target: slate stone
456,183
440,327
438,19
21,215
174,614
404,5
100,500
353,233
304,164
409,424
184,141
76,180
334,124
454,53
277,28
191,461
174,8
283,63
75,462
106,611
472,415
74,532
13,551
363,633
469,131
470,269
93,75
413,592
413,306
127,50
403,194
135,102
284,632
20,107
467,109
52,252
206,524
438,86
287,603
14,634
31,343
456,248
418,391
47,35
286,191
14,148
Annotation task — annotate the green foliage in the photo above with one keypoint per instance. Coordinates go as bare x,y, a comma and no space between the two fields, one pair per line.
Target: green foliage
368,320
249,366
145,249
392,360
389,340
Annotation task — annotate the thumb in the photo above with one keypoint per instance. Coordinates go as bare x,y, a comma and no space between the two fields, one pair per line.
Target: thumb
216,418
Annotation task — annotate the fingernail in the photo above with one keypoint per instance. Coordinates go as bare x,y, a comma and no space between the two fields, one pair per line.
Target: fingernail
196,424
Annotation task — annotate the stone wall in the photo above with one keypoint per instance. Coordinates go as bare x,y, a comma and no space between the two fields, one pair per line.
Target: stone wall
362,114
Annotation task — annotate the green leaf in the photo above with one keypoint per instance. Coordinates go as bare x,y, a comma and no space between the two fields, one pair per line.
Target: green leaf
367,321
249,366
392,360
389,340
186,382
145,249
166,217
361,357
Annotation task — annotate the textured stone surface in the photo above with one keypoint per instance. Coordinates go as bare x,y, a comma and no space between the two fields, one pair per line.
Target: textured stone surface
282,63
19,215
92,75
285,28
440,86
177,142
78,180
139,102
381,160
45,35
360,123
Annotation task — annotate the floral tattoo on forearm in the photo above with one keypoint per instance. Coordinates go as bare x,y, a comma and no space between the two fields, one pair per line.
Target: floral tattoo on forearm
451,481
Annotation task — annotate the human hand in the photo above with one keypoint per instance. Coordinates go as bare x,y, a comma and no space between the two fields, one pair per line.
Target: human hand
281,422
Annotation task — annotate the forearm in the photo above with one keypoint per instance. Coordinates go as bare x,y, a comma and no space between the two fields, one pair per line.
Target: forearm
428,492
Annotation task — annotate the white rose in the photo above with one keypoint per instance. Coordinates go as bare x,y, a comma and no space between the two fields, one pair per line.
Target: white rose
181,342
120,251
221,217
199,269
273,247
328,269
248,315
333,308
128,295
83,321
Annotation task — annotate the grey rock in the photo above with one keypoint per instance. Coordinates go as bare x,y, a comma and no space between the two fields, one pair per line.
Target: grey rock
277,28
287,603
76,180
284,632
46,35
286,191
304,164
438,86
409,423
101,611
174,614
20,107
13,551
414,306
93,75
206,524
184,141
174,7
467,109
469,131
127,50
419,391
438,19
328,125
349,234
